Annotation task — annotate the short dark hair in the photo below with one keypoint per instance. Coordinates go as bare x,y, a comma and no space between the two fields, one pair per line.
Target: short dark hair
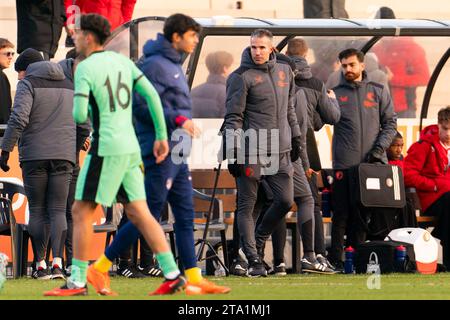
259,33
71,54
5,43
398,135
179,23
297,47
351,52
385,13
444,115
97,25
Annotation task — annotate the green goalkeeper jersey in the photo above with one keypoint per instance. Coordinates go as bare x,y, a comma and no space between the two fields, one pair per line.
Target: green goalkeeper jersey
104,84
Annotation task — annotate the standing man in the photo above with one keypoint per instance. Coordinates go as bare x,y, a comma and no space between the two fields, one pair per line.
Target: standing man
169,180
324,9
364,132
39,25
322,108
6,57
111,169
42,124
260,103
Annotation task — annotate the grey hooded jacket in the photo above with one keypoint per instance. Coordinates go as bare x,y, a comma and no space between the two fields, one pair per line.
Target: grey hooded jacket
318,102
42,115
368,122
84,129
261,97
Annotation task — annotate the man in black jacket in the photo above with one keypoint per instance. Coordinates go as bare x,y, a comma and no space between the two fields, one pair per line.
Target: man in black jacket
364,132
39,25
260,104
322,108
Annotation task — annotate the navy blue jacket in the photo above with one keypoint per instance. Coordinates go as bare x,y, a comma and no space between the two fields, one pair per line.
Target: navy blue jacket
162,66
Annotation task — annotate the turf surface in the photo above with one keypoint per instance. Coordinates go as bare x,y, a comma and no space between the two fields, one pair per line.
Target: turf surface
291,287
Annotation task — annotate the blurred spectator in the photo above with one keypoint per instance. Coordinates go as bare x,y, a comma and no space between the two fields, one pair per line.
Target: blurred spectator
426,170
41,121
117,12
374,73
325,62
39,25
394,152
6,57
208,99
407,68
320,9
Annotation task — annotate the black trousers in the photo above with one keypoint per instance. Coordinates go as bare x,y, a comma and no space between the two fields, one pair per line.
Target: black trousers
46,184
347,214
145,252
281,185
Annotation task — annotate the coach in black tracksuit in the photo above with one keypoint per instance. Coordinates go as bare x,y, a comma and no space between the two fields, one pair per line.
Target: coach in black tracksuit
260,97
322,108
364,132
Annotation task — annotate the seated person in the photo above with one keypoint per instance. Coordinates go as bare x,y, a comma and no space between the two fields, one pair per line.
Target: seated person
208,99
394,152
426,169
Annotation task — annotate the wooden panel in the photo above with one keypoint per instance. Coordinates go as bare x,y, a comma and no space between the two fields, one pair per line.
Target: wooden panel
228,201
425,219
204,179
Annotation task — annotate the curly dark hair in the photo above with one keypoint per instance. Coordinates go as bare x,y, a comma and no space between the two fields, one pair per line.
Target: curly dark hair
179,23
97,25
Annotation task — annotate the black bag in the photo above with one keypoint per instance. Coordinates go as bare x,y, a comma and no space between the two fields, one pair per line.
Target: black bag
381,185
369,254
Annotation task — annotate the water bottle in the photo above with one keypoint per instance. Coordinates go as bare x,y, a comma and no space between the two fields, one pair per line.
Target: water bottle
400,257
3,264
326,211
348,265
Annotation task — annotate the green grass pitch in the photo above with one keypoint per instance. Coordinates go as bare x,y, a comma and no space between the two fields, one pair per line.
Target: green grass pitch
291,287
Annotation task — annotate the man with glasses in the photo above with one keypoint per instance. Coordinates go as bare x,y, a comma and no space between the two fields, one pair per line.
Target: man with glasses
6,57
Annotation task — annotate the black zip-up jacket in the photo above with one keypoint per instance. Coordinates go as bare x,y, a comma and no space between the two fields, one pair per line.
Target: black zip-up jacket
39,24
368,122
261,97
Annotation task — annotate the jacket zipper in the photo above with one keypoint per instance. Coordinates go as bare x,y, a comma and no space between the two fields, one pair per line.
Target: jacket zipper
360,121
276,104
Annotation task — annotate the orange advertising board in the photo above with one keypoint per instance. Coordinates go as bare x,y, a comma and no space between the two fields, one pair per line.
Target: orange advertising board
20,205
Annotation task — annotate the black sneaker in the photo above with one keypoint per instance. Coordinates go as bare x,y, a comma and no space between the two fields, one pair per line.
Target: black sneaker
68,271
315,267
338,266
257,269
57,273
239,268
41,274
280,270
150,271
129,272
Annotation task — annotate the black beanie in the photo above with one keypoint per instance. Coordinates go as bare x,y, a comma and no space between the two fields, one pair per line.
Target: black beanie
26,58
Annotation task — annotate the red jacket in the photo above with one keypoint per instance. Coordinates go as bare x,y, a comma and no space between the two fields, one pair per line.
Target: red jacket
398,163
117,12
406,60
426,167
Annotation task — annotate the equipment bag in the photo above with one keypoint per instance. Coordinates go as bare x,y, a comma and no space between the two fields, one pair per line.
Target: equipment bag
381,255
381,186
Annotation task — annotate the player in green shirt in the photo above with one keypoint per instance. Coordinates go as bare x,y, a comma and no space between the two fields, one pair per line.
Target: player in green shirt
103,89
